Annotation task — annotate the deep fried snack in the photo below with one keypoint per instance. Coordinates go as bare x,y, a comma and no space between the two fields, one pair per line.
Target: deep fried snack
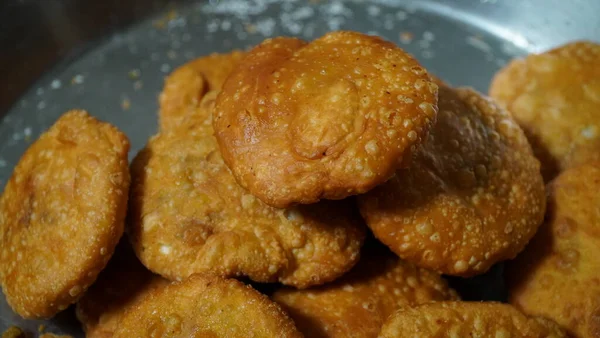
555,97
357,304
557,276
467,319
189,215
200,114
13,332
206,306
187,85
300,122
62,213
473,196
120,287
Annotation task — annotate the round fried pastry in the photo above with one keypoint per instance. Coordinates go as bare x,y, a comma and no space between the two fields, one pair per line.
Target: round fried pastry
472,197
467,319
13,332
555,97
557,276
357,304
120,287
300,122
186,86
189,215
206,306
62,213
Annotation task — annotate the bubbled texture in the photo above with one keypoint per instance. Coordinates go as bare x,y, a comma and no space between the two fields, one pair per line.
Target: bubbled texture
119,289
467,319
206,306
300,122
62,214
189,215
186,87
472,197
357,304
558,274
555,97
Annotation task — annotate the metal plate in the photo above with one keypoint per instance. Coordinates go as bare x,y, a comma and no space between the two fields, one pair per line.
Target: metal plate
463,42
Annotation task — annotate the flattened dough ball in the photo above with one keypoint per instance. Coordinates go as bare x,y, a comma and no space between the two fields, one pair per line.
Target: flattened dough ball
206,306
472,197
357,304
300,122
555,97
189,215
186,86
558,274
467,319
62,214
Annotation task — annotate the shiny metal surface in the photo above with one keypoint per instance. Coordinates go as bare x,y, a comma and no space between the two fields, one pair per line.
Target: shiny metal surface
36,34
118,77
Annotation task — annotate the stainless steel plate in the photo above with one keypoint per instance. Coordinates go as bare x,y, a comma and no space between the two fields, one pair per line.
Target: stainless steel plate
463,42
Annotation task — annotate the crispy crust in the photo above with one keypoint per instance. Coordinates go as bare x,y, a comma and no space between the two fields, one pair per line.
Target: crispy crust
473,196
467,319
13,332
189,215
120,287
62,213
186,86
300,122
357,304
555,97
206,306
558,274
